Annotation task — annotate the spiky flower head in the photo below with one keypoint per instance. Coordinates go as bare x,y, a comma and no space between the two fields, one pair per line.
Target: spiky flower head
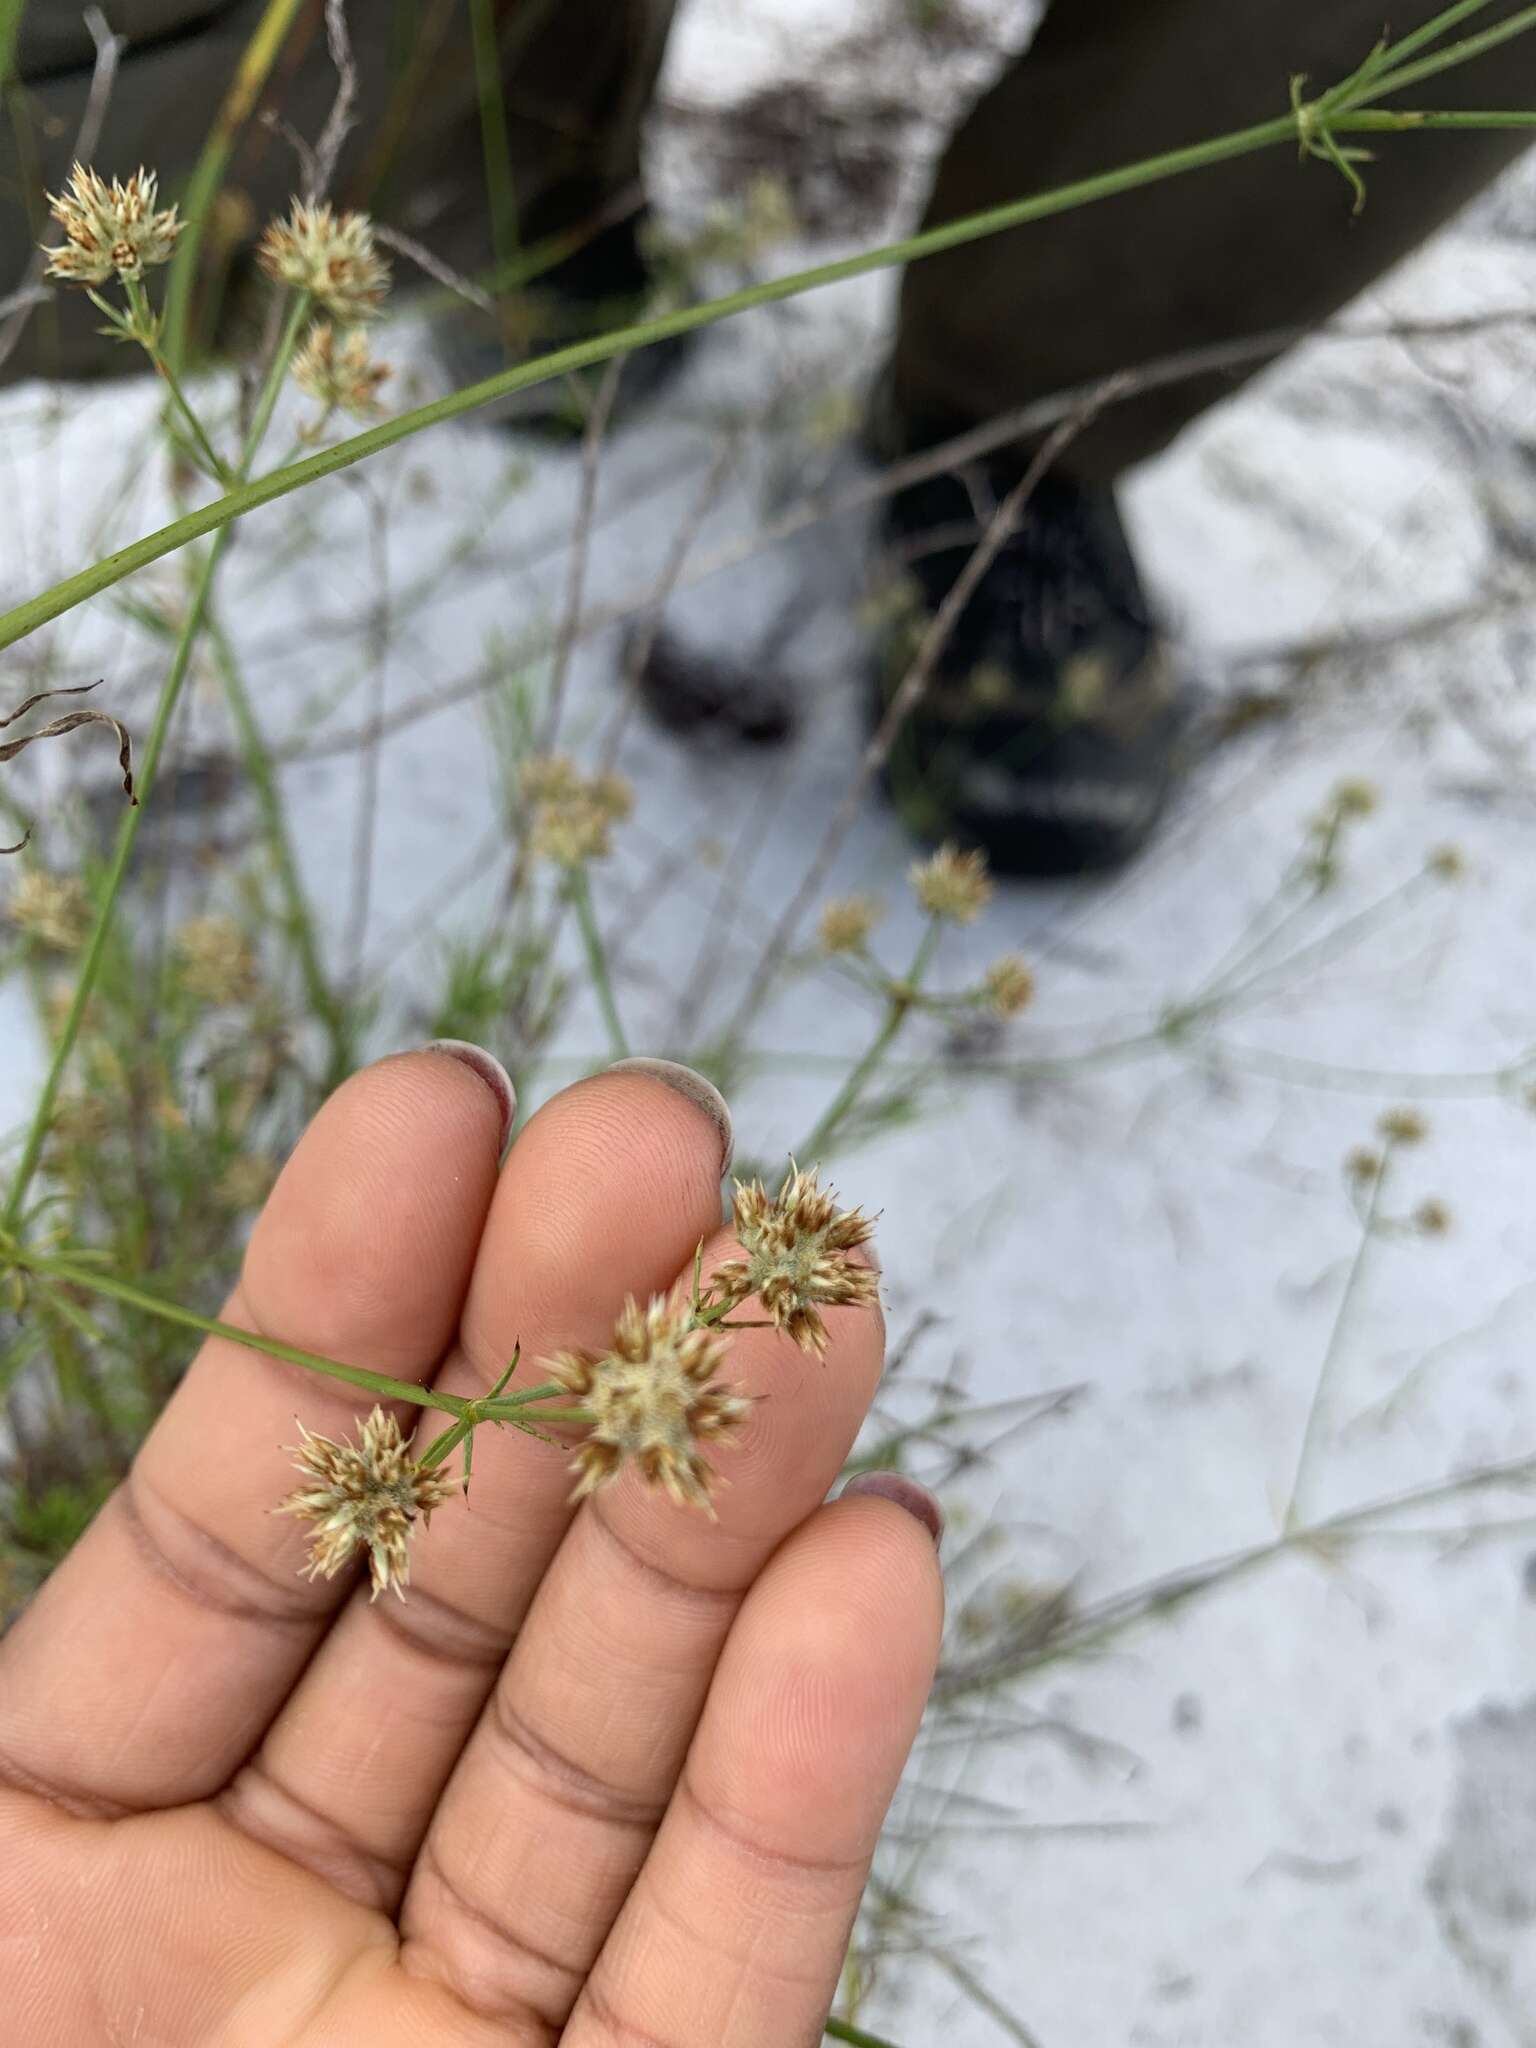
53,909
330,255
1009,985
337,370
797,1245
653,1401
364,1496
1402,1126
573,813
847,922
1432,1217
953,884
1355,797
113,230
215,961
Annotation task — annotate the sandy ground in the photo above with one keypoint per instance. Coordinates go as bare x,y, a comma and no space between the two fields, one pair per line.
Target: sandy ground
1308,1816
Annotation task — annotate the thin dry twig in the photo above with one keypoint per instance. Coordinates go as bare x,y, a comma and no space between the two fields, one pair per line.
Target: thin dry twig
434,267
18,306
339,122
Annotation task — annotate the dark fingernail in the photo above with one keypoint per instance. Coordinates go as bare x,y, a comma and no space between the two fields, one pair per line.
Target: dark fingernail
490,1071
704,1095
906,1493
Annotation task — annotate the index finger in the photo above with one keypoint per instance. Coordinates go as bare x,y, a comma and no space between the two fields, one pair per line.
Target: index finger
152,1660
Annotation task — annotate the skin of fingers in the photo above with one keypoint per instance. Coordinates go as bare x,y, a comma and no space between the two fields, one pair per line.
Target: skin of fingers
552,1809
737,1926
155,1656
606,1192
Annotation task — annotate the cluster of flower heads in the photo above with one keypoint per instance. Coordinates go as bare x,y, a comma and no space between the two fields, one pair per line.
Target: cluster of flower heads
798,1246
116,231
573,814
215,962
338,370
54,910
365,1496
652,1398
330,255
950,885
111,231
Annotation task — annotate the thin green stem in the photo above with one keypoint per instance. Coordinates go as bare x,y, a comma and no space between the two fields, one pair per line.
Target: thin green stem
248,497
197,202
844,2030
1431,32
128,831
1433,118
122,855
495,140
277,370
1394,77
298,921
901,1000
1290,1519
108,1284
144,330
61,597
579,892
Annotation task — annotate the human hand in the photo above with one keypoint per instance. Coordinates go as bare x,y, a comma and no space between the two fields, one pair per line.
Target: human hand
610,1775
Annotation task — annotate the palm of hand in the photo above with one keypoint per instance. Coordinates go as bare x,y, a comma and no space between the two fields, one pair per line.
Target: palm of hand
608,1776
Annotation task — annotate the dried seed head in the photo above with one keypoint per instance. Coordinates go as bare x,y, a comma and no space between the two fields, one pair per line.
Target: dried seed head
114,230
330,255
847,922
1355,798
1449,863
1402,1127
573,814
1432,1217
653,1401
364,1496
53,909
797,1245
953,884
339,371
1009,985
1362,1165
215,960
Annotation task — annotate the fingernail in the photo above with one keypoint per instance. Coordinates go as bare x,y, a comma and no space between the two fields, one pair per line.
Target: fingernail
490,1071
704,1095
906,1493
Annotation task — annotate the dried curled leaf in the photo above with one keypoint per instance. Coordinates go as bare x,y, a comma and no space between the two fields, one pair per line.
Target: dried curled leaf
71,721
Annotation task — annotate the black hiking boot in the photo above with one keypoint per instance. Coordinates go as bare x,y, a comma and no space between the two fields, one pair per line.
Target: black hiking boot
1049,733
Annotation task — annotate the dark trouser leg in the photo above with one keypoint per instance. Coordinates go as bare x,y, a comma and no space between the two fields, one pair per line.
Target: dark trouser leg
577,76
1216,255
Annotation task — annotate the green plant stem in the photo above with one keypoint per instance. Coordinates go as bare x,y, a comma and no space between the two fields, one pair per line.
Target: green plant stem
1290,1520
197,202
579,892
144,331
901,1000
844,2030
249,496
108,1284
1394,77
494,138
508,1409
128,831
298,919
